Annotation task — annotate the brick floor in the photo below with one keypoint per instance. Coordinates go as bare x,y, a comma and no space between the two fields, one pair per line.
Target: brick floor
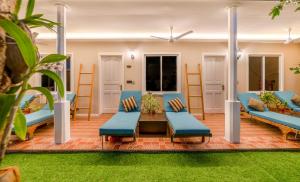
85,137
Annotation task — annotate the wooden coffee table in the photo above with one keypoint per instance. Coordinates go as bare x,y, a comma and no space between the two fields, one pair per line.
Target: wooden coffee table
153,124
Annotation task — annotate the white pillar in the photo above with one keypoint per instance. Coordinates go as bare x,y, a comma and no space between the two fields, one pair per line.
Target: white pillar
62,107
232,105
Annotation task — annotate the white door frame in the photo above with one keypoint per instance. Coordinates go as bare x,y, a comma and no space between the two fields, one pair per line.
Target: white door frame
225,72
100,80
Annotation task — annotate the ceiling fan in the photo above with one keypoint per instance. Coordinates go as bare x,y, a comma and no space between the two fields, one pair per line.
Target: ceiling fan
172,38
290,39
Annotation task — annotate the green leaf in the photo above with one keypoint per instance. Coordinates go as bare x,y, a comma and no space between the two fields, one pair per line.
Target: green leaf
23,41
56,79
20,125
53,58
9,100
48,95
13,90
39,23
30,7
18,7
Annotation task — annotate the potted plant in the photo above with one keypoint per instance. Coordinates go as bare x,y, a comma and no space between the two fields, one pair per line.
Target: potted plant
13,82
150,104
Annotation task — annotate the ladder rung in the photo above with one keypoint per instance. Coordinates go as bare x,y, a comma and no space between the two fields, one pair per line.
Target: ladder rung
86,73
193,73
195,108
193,85
85,84
82,107
195,95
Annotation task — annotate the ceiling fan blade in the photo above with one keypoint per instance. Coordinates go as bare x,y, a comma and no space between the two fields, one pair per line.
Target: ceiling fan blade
182,35
162,38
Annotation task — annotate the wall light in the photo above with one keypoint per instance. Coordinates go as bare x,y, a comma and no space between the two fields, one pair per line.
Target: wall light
239,54
132,55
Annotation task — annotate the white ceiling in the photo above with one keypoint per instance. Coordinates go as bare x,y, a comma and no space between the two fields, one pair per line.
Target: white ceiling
141,18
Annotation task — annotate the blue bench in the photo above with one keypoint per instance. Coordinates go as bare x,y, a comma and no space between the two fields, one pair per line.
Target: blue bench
287,124
286,96
182,123
41,117
123,123
25,99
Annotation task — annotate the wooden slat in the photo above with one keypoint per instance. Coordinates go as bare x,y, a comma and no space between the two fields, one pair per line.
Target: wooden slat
85,84
193,73
86,73
196,85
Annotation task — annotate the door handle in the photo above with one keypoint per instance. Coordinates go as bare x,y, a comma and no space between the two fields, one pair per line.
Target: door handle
121,87
223,87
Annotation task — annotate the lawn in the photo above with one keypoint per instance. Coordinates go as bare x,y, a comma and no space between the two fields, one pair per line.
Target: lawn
236,166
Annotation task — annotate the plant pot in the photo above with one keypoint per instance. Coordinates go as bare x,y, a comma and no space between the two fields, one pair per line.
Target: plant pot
15,64
10,174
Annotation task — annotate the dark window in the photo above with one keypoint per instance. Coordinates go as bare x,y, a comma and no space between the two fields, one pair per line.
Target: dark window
152,73
169,73
49,83
161,73
255,73
272,73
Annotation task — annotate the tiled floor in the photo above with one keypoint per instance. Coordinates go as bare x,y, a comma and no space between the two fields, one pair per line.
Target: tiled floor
85,137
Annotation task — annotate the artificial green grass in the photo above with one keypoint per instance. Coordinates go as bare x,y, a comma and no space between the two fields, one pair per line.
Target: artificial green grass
235,166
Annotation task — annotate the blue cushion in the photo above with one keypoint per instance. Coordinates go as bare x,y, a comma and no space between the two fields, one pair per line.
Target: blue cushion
170,96
39,116
287,96
126,94
71,96
121,124
26,98
184,124
290,121
244,98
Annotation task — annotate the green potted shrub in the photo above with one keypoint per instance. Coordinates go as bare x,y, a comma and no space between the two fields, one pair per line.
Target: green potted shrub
272,102
150,104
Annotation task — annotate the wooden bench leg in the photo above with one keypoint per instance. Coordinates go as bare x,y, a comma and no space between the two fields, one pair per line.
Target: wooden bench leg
106,138
172,138
203,139
30,132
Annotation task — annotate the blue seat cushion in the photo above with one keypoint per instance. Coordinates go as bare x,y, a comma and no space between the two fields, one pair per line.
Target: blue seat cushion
184,124
287,96
26,98
128,93
39,116
290,121
170,96
244,98
121,124
71,96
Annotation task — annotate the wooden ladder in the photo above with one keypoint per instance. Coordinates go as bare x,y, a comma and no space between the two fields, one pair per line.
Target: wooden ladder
90,96
188,85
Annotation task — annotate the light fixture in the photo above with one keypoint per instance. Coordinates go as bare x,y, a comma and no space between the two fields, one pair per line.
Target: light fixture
132,55
239,54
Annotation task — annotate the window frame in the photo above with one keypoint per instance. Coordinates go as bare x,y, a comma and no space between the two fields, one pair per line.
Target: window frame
72,74
178,67
264,55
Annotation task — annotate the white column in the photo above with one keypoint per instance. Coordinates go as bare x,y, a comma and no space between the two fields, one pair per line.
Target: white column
62,107
232,105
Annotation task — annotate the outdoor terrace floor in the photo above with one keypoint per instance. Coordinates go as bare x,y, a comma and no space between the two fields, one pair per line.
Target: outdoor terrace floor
85,137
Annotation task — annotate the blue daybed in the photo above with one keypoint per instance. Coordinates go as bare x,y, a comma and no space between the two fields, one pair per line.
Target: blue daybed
42,116
287,124
123,123
183,124
286,96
